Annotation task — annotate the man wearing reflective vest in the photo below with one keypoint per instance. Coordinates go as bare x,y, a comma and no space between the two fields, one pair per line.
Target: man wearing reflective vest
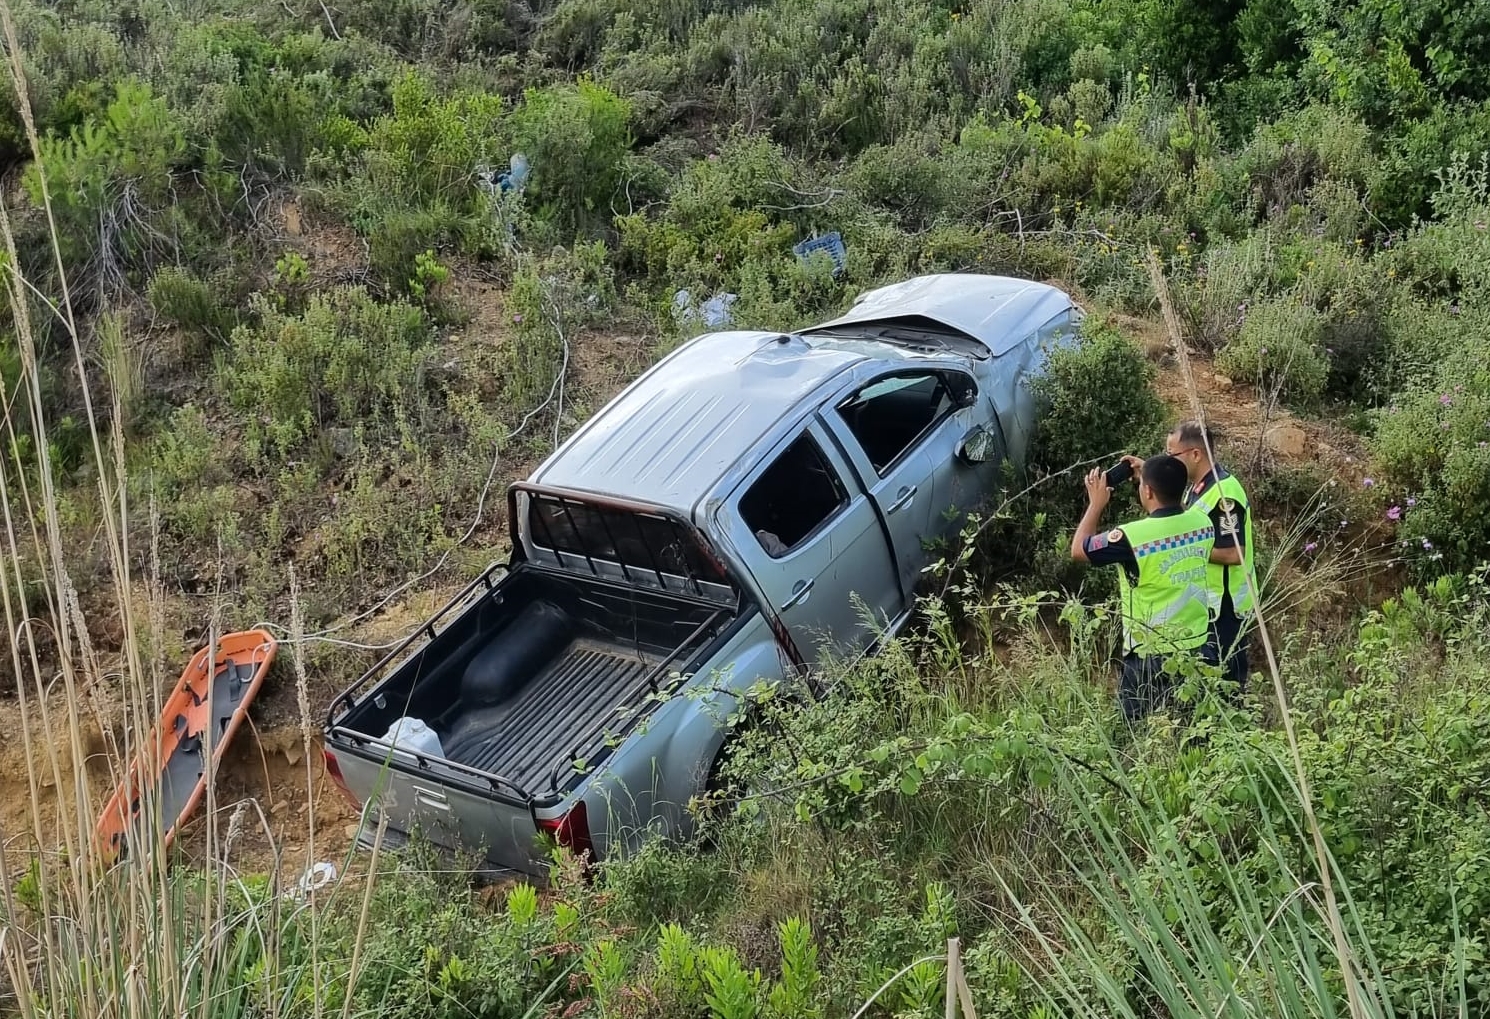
1162,560
1229,581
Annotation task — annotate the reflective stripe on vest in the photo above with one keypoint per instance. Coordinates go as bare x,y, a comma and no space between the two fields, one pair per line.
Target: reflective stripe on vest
1167,610
1235,579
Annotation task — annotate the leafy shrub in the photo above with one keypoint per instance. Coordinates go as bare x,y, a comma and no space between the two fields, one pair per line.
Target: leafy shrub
1227,282
1097,402
1279,349
413,186
1433,446
1290,155
903,179
191,303
1097,399
577,140
346,361
552,299
110,182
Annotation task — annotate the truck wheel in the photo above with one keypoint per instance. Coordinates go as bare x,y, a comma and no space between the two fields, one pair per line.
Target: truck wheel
722,791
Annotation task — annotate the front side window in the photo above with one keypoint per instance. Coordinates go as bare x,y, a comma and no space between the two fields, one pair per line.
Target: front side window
795,496
888,416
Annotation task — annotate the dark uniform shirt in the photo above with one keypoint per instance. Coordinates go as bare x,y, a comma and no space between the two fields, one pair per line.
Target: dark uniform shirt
1232,536
1112,548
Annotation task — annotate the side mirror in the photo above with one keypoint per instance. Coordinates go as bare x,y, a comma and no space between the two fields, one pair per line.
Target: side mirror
979,446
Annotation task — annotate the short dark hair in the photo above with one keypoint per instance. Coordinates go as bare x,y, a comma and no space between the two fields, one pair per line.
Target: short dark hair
1167,476
1193,433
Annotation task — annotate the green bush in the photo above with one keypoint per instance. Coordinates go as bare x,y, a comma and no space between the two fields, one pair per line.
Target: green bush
576,140
110,182
1290,155
1433,446
552,299
191,303
1097,400
346,361
1279,349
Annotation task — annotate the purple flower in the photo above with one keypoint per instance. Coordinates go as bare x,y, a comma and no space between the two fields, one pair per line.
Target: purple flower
517,318
1427,543
1311,546
1367,483
1395,513
1411,502
1445,400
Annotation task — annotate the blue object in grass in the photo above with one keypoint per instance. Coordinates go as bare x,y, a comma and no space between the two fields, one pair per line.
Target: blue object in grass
831,244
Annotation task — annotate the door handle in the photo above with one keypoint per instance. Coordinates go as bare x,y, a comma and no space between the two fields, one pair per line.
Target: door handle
432,798
800,590
903,499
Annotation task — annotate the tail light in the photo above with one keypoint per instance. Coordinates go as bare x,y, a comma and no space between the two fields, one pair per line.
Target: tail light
333,769
572,831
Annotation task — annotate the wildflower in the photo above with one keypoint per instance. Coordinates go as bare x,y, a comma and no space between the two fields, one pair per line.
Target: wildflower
1427,543
1411,502
1264,351
1368,483
1445,400
1391,274
1311,546
517,319
1345,523
1395,513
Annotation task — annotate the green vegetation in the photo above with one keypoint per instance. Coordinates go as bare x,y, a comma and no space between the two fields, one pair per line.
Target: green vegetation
276,330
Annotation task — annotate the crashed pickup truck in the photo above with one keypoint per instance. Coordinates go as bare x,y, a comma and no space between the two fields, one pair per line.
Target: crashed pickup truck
724,521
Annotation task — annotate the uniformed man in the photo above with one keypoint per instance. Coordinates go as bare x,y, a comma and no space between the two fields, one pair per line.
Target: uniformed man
1229,581
1162,560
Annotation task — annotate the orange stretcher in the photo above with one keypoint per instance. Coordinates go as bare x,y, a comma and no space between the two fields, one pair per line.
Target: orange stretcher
203,711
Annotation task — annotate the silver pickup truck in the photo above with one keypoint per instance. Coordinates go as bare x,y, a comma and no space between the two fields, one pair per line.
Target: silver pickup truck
722,522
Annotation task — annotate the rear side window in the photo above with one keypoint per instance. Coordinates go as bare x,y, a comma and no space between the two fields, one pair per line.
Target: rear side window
795,496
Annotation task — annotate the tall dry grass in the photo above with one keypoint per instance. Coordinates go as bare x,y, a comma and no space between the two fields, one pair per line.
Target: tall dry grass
141,938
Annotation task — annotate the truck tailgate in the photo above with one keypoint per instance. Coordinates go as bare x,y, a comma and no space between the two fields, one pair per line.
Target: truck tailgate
446,812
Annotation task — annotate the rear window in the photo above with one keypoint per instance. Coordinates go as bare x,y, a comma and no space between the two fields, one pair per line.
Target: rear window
638,541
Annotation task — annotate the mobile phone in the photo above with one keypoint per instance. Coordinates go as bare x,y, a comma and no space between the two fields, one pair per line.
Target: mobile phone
1118,473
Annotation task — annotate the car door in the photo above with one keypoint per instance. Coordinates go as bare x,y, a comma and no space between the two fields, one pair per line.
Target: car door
902,430
811,538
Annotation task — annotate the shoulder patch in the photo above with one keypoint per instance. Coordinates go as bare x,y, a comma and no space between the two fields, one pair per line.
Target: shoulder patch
1227,504
1116,534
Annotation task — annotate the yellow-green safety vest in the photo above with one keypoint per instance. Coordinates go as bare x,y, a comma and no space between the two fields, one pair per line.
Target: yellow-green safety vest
1167,610
1236,579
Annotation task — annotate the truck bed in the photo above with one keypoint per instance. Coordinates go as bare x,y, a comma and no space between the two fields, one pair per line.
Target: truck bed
534,675
561,715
